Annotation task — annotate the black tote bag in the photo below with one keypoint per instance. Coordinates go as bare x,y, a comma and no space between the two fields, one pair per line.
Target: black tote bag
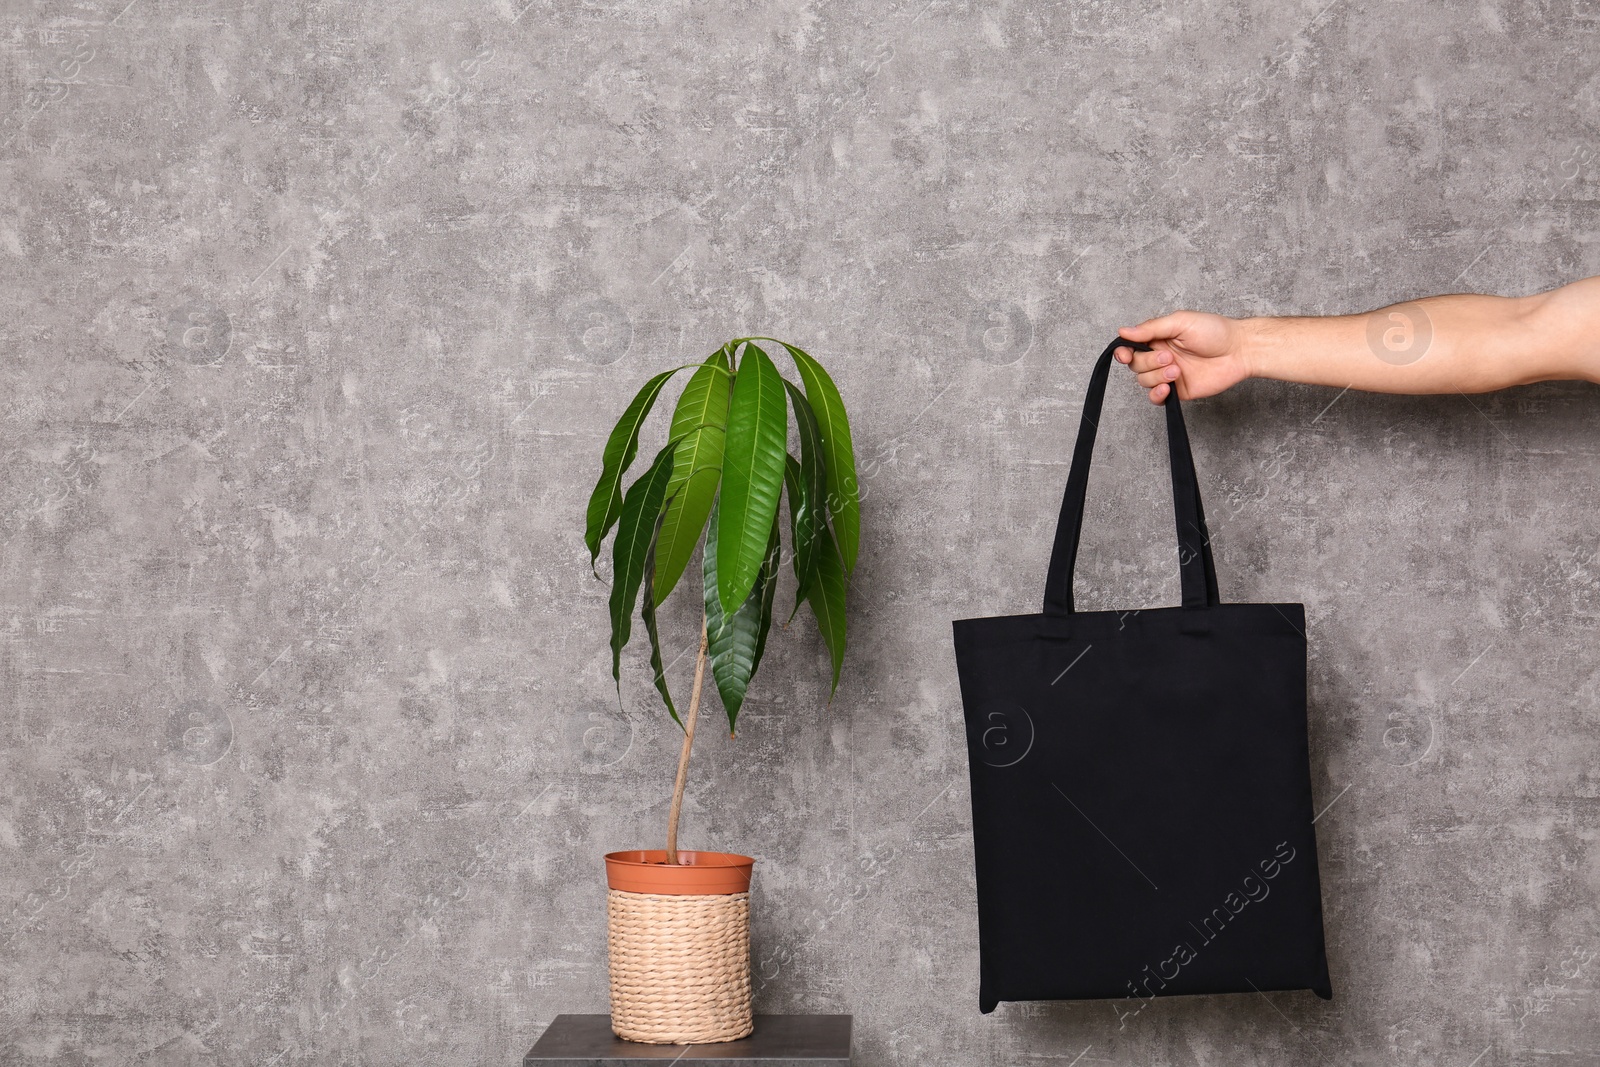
1141,788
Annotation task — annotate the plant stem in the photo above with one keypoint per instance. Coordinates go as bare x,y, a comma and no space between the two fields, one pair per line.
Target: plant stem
688,743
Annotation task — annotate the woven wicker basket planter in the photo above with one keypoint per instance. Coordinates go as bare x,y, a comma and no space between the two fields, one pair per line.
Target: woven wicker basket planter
678,939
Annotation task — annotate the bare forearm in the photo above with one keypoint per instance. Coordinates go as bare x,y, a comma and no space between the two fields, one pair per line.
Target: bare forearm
1441,344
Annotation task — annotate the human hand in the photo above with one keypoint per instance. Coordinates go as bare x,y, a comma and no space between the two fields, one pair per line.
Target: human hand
1202,354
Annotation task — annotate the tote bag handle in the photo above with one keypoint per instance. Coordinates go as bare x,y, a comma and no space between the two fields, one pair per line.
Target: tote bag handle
1198,573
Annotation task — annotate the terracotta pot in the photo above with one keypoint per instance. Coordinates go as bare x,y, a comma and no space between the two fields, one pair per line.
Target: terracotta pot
698,873
678,940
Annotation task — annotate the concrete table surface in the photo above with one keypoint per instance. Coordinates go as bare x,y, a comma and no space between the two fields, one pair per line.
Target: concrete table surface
778,1041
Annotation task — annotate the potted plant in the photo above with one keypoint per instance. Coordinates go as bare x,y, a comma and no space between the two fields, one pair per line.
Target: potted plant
678,920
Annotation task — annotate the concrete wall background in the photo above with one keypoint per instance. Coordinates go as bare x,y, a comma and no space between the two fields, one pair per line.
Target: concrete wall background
315,317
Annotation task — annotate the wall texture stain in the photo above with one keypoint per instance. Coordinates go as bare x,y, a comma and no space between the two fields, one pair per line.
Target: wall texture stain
313,318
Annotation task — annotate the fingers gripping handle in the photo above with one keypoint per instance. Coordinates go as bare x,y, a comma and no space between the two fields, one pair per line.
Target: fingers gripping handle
1195,567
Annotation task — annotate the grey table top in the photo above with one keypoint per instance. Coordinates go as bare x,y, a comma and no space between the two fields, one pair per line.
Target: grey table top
778,1041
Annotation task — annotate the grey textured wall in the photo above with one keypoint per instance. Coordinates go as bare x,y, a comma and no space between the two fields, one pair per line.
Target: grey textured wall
315,316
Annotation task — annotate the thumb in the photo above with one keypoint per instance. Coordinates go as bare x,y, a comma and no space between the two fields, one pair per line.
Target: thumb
1157,329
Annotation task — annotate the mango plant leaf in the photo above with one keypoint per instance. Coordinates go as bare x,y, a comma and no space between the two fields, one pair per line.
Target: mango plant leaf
752,475
647,611
805,507
767,587
791,479
605,503
734,641
827,603
635,529
844,502
700,425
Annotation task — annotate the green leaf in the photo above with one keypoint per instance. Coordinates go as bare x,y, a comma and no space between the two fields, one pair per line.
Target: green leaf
767,586
635,529
805,506
752,475
844,501
699,424
827,603
647,611
735,642
791,479
605,503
